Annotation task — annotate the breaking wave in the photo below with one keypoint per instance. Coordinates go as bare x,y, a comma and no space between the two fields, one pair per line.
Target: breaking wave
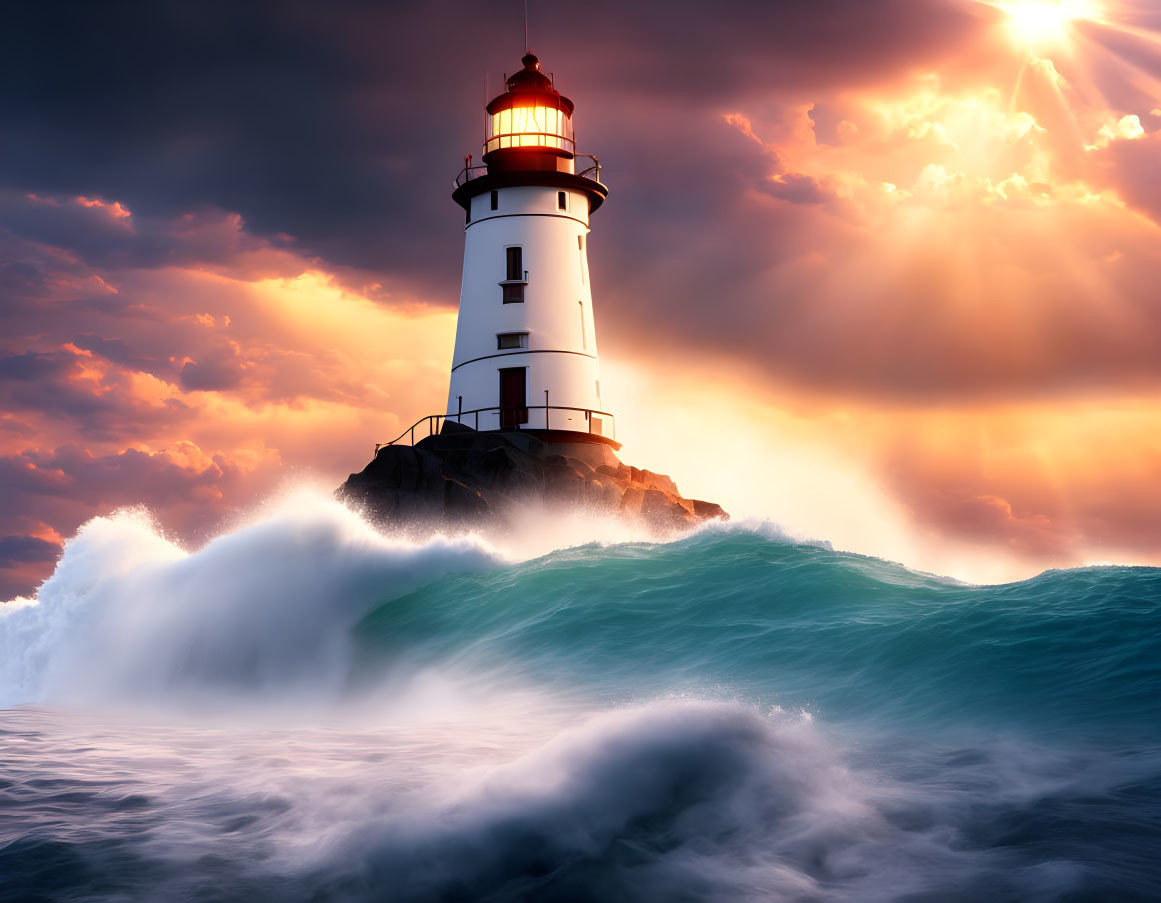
307,709
267,610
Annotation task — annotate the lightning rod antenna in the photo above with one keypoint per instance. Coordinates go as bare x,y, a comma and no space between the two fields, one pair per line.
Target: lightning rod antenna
527,48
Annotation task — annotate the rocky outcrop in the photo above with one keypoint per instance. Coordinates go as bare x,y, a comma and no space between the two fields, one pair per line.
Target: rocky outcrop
466,478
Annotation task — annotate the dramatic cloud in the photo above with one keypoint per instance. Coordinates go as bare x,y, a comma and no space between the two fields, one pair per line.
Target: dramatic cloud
341,125
191,382
918,241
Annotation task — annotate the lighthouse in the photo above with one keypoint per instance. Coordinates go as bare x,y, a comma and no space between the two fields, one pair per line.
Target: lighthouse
524,421
525,356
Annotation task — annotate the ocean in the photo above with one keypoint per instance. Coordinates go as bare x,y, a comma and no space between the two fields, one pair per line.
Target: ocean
304,709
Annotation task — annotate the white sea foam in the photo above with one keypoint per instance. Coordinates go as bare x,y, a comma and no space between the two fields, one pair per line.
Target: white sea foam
473,788
671,800
265,609
270,606
128,615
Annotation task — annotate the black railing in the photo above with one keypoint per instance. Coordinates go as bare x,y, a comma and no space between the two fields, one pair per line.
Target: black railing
469,172
590,172
435,421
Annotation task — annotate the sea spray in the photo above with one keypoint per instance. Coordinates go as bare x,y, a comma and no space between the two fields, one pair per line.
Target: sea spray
728,716
667,801
266,610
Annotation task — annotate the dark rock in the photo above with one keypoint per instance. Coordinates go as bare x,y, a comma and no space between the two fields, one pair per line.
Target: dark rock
708,510
461,477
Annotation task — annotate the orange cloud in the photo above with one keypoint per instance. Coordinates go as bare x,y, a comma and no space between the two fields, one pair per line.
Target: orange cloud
114,209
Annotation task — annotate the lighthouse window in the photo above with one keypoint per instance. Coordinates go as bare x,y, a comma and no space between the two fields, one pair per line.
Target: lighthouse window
495,200
508,340
514,276
562,200
514,264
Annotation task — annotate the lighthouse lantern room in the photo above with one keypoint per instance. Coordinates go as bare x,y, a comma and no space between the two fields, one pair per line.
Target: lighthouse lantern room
526,348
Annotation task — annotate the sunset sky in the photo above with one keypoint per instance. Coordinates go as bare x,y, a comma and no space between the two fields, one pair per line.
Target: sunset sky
885,272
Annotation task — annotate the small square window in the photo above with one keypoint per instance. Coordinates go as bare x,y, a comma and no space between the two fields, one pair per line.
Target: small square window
495,200
509,340
513,293
562,200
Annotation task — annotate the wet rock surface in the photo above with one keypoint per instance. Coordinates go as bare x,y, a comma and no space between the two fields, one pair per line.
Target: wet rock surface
464,478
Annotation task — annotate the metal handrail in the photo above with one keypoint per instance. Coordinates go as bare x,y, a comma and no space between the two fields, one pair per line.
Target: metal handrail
470,172
434,421
595,169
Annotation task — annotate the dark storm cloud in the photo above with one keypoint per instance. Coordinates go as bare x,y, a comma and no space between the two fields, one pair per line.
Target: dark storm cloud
334,129
106,480
104,234
26,549
19,278
341,124
24,561
116,351
797,188
70,484
99,406
32,367
214,375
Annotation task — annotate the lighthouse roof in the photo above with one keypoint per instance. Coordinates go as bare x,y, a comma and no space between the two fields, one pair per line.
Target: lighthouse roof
530,84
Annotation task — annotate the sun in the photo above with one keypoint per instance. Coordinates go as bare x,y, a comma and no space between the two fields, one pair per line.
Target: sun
1034,24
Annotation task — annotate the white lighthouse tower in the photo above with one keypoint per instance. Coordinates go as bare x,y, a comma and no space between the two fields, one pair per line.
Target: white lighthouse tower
526,346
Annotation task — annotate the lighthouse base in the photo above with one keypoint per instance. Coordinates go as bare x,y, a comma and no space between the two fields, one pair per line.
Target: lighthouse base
462,477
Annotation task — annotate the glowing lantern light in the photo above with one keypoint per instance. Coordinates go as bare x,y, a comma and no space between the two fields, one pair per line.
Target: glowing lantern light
530,114
529,127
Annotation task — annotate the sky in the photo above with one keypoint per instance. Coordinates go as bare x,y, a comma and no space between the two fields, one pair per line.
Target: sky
884,272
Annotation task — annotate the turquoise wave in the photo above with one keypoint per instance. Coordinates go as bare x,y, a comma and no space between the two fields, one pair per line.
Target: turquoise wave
727,717
857,639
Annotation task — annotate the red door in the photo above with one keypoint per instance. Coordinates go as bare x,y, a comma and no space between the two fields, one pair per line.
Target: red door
513,396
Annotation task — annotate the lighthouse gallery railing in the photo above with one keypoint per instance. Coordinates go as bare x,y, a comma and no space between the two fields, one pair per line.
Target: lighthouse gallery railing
435,421
469,172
